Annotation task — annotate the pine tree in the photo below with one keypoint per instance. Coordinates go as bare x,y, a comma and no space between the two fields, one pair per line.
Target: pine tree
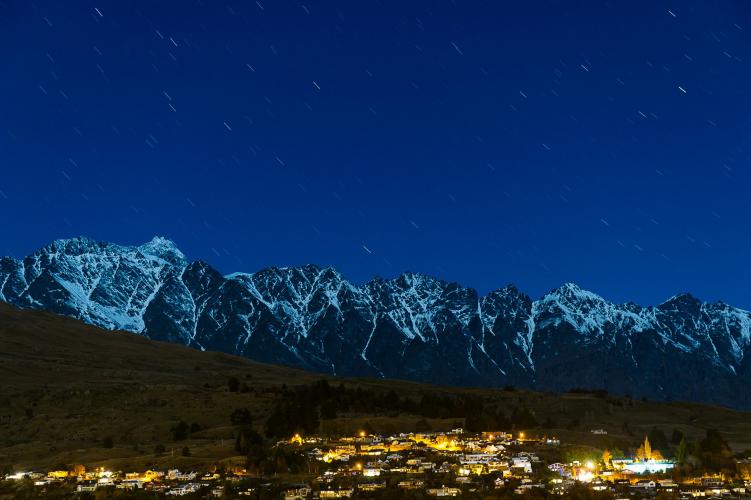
682,452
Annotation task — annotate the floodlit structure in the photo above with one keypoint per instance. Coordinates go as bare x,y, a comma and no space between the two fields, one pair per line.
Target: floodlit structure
647,461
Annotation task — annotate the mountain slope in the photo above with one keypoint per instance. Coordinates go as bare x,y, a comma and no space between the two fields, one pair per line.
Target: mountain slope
67,386
411,327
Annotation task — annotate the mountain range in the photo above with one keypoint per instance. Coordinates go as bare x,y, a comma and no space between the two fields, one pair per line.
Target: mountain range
412,327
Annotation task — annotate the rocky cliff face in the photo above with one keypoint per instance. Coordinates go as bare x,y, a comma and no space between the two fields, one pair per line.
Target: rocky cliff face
411,327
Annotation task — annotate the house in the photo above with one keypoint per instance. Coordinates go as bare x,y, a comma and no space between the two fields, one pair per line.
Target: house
599,485
712,482
130,484
185,489
297,493
498,466
645,484
477,458
557,467
522,464
444,492
372,486
371,471
522,488
411,484
17,476
177,475
343,493
87,486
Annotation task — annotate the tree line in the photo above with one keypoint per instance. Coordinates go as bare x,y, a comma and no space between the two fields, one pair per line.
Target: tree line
300,409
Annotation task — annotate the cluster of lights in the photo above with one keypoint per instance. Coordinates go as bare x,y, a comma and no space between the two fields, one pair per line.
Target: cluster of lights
587,473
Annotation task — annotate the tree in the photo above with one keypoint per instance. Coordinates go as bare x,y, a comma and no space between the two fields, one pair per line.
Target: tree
246,440
233,384
677,437
290,417
241,416
108,442
681,453
159,449
658,439
714,443
180,431
606,458
186,451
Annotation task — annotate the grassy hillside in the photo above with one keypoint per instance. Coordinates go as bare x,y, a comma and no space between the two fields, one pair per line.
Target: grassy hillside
72,393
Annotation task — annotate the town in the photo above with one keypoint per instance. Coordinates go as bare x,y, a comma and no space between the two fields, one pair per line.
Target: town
412,465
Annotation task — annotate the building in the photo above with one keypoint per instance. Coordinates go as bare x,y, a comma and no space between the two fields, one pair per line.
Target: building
444,492
412,484
372,486
297,493
646,461
342,493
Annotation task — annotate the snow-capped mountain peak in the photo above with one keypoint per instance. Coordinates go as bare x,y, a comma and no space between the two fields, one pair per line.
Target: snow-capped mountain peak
410,327
163,248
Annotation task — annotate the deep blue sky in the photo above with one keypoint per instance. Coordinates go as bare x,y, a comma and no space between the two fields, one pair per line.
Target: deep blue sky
531,142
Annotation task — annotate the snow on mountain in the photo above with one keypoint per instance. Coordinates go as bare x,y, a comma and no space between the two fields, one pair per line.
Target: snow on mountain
413,326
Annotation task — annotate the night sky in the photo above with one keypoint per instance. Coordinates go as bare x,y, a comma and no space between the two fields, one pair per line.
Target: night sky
495,142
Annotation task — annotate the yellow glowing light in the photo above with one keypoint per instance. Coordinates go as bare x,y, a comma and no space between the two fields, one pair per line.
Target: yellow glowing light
589,465
362,434
521,435
585,476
